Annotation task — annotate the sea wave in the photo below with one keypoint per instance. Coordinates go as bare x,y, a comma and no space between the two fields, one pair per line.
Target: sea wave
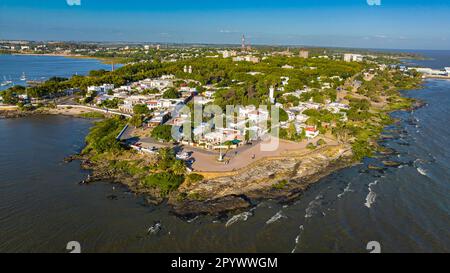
422,171
347,189
313,205
279,215
238,217
297,238
371,196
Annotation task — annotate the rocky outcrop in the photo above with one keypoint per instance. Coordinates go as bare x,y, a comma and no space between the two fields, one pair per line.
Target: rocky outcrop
282,178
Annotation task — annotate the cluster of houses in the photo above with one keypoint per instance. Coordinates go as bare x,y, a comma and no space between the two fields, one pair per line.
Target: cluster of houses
249,124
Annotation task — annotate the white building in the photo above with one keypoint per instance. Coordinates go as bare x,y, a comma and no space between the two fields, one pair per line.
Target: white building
311,132
304,54
209,94
101,89
353,57
300,118
187,89
286,66
159,84
336,107
248,58
221,135
228,53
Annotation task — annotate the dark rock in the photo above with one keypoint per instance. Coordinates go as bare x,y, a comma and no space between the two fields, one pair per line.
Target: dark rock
112,197
390,163
191,208
374,167
155,228
387,151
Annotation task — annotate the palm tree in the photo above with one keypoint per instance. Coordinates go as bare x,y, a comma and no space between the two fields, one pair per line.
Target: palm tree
166,154
179,167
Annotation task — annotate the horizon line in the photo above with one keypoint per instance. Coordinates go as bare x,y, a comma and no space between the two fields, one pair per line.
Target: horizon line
221,44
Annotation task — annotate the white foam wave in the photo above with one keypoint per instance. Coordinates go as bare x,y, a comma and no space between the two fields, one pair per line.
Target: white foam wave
347,189
312,206
422,171
192,220
297,239
238,217
276,217
371,196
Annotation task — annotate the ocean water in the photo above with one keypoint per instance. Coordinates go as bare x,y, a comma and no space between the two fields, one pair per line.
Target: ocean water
43,67
405,209
436,59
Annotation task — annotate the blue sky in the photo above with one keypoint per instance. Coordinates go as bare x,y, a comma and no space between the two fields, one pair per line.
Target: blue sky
405,24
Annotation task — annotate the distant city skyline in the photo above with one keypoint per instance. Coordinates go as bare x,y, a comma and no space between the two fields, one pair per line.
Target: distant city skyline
401,24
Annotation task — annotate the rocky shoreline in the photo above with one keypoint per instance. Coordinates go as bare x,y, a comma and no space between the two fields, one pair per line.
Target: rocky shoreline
11,114
103,172
283,179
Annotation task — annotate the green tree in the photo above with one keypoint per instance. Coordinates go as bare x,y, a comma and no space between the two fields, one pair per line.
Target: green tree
166,158
141,109
283,115
9,97
291,131
171,94
102,137
179,167
166,182
162,132
136,121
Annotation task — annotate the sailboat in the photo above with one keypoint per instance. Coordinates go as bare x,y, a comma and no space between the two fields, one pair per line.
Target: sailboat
23,77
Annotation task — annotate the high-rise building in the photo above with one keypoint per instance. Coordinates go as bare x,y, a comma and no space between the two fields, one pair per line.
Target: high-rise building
243,42
304,54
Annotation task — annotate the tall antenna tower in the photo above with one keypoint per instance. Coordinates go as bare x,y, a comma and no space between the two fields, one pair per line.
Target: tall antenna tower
243,42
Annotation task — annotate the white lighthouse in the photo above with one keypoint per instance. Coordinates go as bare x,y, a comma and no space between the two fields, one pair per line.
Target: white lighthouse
272,95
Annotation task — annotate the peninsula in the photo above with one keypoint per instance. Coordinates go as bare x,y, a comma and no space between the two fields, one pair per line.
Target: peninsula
214,129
